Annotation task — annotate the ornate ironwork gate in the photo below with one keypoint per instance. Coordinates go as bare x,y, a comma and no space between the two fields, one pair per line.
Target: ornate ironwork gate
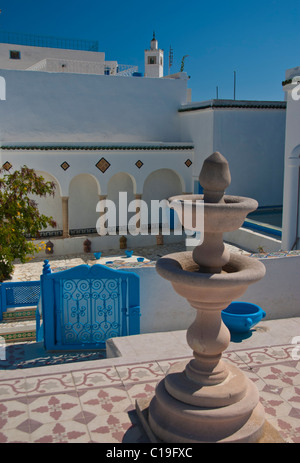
84,306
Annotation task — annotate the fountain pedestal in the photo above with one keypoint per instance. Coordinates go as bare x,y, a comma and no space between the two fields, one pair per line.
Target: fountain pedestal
209,400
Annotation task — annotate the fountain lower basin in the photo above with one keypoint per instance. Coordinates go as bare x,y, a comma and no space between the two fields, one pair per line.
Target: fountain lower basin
209,400
231,283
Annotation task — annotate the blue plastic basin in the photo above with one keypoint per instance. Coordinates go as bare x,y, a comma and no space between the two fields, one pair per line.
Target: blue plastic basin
240,317
97,255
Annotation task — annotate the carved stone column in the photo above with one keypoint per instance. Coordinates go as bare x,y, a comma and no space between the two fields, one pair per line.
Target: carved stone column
65,216
102,211
138,198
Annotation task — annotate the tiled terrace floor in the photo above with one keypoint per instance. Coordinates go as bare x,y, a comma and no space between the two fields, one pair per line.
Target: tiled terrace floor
93,401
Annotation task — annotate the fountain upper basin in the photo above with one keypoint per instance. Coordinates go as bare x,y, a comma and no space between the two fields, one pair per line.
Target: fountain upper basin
225,216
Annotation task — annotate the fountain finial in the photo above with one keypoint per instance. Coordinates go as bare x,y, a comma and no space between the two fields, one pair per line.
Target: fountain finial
215,178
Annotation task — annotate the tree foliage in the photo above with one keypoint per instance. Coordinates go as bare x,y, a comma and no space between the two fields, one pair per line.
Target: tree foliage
20,217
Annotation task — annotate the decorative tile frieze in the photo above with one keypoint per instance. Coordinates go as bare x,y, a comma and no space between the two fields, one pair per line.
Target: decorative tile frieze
103,165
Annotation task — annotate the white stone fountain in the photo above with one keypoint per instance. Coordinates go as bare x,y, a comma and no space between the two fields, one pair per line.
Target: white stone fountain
209,400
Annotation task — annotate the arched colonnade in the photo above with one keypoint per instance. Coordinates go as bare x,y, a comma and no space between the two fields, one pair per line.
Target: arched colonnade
76,212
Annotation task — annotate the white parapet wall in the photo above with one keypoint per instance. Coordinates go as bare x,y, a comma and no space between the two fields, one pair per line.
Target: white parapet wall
252,241
278,294
161,308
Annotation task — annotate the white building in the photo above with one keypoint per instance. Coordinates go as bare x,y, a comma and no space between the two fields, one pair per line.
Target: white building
291,203
84,59
97,135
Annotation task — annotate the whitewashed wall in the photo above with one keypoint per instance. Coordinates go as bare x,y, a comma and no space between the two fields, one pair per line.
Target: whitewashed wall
198,126
291,203
83,183
57,107
278,294
83,198
31,55
252,140
50,206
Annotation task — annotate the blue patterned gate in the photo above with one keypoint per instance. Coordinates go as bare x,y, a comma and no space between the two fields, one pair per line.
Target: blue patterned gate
15,294
84,306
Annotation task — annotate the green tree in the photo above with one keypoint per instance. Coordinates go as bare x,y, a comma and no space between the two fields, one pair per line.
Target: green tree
20,217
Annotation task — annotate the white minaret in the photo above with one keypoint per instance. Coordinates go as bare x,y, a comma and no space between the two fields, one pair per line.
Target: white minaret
154,60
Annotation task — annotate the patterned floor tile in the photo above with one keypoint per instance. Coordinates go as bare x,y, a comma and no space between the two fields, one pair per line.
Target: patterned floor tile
58,407
98,405
95,377
292,396
111,428
13,388
234,357
265,355
28,426
49,384
274,405
141,391
260,384
12,413
106,400
140,372
179,364
13,436
288,427
61,432
279,375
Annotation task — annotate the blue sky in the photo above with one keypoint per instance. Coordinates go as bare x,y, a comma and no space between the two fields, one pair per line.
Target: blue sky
257,39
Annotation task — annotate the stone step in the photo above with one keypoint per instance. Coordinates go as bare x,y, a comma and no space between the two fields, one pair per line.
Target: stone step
18,331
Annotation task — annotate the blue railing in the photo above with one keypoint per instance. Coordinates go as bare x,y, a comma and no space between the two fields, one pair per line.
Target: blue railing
16,294
19,38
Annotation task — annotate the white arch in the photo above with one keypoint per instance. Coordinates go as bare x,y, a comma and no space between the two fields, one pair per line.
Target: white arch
58,191
159,185
50,206
164,183
93,177
84,190
121,182
118,175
